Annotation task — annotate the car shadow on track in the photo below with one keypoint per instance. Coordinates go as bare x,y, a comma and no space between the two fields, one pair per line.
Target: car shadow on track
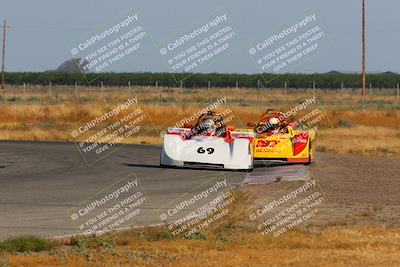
181,168
257,165
269,163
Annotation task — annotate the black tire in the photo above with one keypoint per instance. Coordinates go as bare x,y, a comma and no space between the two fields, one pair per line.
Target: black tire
309,155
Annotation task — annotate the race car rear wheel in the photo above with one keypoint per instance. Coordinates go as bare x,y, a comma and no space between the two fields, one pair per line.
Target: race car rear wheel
309,155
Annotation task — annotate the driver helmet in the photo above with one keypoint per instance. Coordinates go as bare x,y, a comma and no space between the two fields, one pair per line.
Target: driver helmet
273,124
209,126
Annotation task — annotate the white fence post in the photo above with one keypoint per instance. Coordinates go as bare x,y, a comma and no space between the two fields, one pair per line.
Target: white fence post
258,93
182,94
209,92
313,85
76,89
285,88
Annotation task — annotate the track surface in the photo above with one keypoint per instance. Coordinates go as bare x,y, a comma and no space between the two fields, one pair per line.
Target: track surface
40,181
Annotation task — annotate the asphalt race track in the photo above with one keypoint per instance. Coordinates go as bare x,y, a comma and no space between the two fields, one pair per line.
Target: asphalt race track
40,181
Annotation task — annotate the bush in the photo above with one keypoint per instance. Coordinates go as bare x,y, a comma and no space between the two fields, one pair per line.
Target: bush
223,238
26,243
85,99
80,242
344,123
33,99
106,243
14,99
197,236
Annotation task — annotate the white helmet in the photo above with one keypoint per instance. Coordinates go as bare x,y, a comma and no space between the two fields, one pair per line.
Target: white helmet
209,126
273,121
273,124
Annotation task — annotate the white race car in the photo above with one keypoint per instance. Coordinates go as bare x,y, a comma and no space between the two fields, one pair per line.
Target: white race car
209,143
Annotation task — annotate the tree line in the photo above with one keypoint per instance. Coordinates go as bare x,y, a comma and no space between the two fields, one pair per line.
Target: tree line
326,81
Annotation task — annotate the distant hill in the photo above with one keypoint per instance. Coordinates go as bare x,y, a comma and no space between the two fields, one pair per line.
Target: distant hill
333,72
389,73
72,66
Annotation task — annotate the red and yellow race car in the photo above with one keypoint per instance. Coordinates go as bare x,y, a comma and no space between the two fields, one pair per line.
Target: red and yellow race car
275,138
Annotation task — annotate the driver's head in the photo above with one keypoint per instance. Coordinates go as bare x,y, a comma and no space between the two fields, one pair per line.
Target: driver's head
273,124
209,126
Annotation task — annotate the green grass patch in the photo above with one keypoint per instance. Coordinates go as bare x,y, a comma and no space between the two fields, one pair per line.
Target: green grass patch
198,236
26,243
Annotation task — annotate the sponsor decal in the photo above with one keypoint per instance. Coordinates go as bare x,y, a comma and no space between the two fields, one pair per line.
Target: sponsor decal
300,143
266,143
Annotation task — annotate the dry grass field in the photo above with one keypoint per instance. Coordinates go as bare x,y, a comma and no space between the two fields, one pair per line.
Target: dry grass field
37,113
230,242
41,114
362,246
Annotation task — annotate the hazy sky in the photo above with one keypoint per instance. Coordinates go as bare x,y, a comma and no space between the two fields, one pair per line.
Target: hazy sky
41,31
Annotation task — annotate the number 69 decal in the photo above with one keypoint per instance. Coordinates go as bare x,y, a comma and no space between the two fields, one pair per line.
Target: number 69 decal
209,150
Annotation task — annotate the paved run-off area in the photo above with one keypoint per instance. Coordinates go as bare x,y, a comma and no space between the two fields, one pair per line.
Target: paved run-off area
40,181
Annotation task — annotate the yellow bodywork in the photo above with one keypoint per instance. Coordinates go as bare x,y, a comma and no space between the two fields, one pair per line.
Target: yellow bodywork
281,146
